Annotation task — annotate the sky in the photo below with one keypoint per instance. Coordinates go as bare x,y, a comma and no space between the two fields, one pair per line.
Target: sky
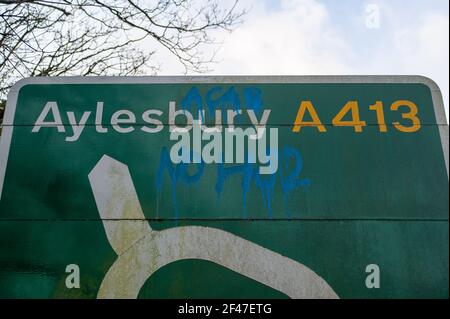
330,37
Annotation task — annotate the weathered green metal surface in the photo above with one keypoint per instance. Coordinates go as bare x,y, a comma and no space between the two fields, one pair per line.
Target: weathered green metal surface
340,200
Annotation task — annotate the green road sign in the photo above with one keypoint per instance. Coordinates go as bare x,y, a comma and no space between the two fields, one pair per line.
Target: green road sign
240,187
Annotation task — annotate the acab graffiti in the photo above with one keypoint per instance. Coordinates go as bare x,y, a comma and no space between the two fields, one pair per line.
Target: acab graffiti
258,163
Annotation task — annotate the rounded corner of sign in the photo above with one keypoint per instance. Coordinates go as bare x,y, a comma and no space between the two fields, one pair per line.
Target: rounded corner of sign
21,83
430,83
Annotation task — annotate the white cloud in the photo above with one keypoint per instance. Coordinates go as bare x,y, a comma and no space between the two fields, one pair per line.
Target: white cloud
295,38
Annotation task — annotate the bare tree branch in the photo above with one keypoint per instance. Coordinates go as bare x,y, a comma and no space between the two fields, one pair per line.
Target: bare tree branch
99,37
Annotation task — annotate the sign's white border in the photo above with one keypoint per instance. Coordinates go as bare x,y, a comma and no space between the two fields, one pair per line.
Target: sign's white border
8,120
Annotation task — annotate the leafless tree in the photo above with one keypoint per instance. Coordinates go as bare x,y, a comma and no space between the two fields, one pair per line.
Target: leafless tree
105,37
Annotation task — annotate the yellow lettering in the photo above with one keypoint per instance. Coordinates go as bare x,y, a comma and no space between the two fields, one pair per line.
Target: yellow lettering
299,123
411,115
355,121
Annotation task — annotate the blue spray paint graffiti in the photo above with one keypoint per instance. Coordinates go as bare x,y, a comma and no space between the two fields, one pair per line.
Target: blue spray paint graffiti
177,173
249,172
216,98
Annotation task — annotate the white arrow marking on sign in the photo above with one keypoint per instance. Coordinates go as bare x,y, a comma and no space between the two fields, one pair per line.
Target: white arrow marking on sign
142,251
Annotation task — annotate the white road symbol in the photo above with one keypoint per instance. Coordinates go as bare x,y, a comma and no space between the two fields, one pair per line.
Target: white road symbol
142,251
